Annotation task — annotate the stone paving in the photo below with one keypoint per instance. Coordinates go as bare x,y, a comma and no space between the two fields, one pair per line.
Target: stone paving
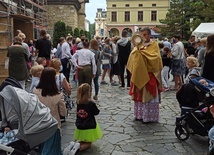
125,136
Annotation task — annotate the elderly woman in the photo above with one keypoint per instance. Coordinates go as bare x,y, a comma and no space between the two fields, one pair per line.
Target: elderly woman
194,70
18,58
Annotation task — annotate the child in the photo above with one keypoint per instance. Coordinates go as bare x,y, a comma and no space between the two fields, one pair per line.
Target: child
41,61
166,58
61,81
36,72
88,130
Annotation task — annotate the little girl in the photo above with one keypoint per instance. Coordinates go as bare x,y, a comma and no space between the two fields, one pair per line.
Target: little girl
87,129
61,81
166,59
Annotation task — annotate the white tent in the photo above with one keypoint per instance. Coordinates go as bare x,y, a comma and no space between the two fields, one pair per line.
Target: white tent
203,30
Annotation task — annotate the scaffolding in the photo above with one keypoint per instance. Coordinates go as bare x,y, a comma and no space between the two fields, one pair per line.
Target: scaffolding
27,15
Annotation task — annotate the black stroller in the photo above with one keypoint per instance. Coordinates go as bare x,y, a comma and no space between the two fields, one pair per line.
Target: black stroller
24,113
196,119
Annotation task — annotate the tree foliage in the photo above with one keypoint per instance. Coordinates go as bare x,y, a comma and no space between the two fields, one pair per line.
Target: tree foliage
59,31
82,32
92,29
76,32
185,15
69,30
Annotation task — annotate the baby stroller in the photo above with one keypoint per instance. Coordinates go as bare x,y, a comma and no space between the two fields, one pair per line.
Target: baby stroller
23,113
195,119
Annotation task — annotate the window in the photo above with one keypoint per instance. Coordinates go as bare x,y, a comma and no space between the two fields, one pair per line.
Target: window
153,4
127,16
113,16
153,15
140,15
140,5
127,5
113,5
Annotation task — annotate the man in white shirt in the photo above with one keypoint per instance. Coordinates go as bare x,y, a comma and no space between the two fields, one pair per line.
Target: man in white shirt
66,58
86,64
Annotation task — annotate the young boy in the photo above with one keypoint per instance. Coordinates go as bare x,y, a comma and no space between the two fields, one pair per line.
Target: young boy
36,73
41,61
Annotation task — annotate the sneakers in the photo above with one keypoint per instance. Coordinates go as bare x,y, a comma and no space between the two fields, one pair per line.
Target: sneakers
67,150
75,149
114,84
165,89
103,82
122,87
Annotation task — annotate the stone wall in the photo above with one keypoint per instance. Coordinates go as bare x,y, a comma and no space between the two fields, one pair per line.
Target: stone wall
65,13
81,17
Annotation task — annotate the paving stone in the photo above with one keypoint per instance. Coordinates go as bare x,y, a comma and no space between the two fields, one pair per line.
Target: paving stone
122,135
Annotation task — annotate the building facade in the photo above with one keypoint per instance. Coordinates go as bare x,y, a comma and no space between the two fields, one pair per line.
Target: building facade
71,12
101,23
135,14
29,16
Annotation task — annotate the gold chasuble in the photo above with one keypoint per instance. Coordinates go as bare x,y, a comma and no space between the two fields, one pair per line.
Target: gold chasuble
142,62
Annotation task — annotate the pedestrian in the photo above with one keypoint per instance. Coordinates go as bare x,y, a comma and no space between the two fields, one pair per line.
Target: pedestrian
58,53
209,58
178,62
66,58
94,47
50,96
145,65
107,56
41,61
86,64
62,83
87,128
36,72
43,47
124,48
115,68
166,59
193,69
32,49
18,58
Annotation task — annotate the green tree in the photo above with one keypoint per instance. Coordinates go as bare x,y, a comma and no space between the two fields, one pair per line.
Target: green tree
184,16
92,29
69,30
82,32
59,31
76,32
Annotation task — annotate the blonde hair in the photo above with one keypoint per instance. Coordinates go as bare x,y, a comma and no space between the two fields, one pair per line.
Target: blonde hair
35,69
55,63
83,93
22,35
194,60
78,40
203,41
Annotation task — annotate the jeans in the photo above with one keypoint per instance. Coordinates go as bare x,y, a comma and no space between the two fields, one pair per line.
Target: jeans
66,68
122,70
165,76
96,84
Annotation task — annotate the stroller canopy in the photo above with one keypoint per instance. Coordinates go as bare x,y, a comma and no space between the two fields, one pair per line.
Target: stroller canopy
35,123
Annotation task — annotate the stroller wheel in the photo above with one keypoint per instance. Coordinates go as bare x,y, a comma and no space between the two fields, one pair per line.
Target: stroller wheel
181,132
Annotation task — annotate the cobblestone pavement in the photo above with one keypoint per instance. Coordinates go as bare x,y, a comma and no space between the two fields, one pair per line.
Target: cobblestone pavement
125,136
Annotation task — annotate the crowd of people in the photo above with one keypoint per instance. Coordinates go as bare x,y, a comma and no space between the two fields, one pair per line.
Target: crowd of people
146,68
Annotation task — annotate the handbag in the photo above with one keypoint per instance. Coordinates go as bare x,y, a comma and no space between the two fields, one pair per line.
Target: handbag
105,61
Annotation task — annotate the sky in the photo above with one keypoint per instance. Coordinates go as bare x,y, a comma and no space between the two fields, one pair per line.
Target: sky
91,8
